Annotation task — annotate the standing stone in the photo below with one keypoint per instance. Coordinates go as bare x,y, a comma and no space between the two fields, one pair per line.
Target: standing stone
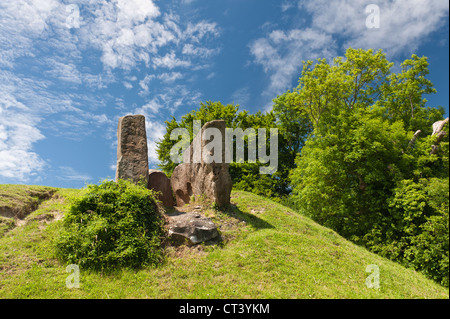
197,177
132,153
159,182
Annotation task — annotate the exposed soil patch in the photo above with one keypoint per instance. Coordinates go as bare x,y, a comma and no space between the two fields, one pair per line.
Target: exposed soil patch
20,202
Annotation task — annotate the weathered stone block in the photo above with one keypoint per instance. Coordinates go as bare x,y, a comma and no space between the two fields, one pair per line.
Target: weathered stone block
197,175
191,228
159,182
132,152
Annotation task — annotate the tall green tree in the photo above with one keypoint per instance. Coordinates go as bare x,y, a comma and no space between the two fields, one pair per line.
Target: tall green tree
294,127
365,168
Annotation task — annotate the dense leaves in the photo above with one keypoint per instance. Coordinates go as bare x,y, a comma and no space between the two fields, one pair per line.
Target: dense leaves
113,224
365,170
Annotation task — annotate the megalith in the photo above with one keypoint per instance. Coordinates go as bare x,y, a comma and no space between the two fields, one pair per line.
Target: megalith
180,181
204,170
132,152
159,182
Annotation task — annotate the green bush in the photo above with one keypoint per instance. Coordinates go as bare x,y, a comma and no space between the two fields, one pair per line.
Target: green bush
112,225
428,251
416,232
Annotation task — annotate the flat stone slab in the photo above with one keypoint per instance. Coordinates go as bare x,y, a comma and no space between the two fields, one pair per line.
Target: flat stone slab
191,228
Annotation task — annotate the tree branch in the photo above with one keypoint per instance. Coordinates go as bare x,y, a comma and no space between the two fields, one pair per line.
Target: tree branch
413,140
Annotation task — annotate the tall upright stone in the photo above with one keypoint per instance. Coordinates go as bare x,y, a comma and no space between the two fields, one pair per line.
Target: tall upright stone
132,152
196,176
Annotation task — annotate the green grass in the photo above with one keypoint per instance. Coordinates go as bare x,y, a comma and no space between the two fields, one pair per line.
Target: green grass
268,251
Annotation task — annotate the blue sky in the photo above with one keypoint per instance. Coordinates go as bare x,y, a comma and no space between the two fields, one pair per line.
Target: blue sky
69,69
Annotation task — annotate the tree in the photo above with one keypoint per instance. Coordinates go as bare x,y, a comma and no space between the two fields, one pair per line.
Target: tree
294,127
343,179
365,167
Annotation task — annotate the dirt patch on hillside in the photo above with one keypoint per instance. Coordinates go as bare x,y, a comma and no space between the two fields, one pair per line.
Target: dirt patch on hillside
19,203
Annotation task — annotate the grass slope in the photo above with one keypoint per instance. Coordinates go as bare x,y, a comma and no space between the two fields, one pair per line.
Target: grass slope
268,251
18,201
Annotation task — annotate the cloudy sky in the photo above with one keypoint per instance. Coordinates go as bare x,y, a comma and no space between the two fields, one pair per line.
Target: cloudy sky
69,69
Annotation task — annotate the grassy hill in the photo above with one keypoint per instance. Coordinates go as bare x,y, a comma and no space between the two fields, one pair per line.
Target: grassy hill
268,251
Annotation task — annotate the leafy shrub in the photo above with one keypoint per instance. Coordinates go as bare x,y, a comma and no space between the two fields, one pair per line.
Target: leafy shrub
112,224
428,251
416,231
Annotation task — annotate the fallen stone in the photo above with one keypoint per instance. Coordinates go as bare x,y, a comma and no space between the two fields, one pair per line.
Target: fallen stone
132,152
191,228
158,181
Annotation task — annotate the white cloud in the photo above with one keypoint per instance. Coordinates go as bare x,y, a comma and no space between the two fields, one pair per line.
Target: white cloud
18,133
127,85
151,108
197,32
241,96
404,26
171,98
280,54
20,23
24,103
70,174
98,81
170,61
187,1
155,132
125,31
19,165
170,77
286,5
190,49
136,10
67,72
145,84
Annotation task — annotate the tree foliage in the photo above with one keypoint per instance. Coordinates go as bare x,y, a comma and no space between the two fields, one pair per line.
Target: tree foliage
365,170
